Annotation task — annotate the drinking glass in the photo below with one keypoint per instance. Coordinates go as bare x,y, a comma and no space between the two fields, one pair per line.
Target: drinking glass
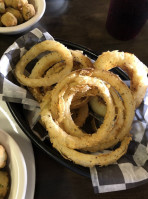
126,18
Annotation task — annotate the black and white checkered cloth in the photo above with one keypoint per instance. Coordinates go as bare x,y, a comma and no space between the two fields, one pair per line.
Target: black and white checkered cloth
10,90
130,171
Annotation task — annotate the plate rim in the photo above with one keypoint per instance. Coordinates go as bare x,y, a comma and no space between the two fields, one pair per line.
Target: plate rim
21,192
23,141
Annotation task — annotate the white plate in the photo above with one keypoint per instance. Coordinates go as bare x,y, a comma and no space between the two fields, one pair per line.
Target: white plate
16,139
17,166
40,6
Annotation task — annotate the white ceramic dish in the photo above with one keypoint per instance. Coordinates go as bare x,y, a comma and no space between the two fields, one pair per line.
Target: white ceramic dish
23,189
40,6
17,166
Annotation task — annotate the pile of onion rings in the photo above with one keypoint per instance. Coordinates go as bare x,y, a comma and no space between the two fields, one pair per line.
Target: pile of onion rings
66,84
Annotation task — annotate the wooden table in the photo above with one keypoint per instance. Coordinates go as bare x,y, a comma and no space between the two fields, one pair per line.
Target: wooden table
81,22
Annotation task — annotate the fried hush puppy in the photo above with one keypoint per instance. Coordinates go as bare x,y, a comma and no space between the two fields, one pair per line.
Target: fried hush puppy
4,183
2,6
16,13
8,19
8,2
4,177
3,157
28,11
0,21
18,4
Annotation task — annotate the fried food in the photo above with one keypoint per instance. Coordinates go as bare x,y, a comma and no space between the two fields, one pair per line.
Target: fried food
86,160
16,13
80,115
98,106
83,60
70,137
2,7
4,178
0,21
90,160
3,157
28,11
47,45
4,183
89,140
18,4
135,69
52,65
66,84
8,19
8,3
115,133
46,63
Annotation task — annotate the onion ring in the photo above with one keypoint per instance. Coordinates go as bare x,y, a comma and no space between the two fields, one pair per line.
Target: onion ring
65,80
38,71
90,160
102,133
75,142
81,115
53,58
69,124
79,57
125,93
46,62
136,70
112,138
47,45
97,105
86,160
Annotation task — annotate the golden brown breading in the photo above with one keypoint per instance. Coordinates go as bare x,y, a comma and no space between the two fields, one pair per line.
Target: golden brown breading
0,21
16,13
4,183
18,4
8,19
8,2
28,11
3,157
2,6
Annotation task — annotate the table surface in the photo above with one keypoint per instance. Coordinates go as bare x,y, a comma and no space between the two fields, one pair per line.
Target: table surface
82,22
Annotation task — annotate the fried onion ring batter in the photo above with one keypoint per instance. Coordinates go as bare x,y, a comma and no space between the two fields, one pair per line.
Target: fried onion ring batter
67,141
47,45
135,69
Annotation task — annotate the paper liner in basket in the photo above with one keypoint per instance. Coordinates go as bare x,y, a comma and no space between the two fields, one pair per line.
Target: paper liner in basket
130,171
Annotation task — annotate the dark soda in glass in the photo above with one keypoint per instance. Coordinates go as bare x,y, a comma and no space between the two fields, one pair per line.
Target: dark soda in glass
126,18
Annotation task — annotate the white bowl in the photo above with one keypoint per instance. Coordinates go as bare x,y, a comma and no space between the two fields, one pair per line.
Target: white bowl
17,166
40,6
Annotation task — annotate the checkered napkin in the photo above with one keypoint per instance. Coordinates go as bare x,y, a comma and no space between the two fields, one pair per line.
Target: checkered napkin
130,171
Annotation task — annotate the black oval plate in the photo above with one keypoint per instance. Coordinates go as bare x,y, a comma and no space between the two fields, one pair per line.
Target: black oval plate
17,112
